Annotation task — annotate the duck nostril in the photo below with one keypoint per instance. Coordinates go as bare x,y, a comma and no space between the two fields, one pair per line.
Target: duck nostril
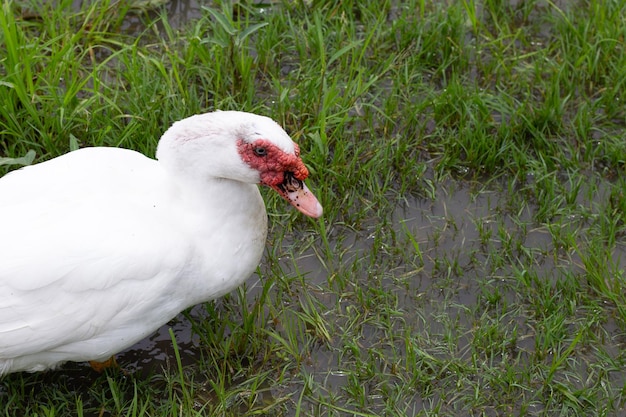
290,183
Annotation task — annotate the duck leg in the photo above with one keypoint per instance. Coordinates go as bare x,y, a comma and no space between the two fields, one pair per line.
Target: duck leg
101,366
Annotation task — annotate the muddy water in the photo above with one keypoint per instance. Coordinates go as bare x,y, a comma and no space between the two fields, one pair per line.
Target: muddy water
461,234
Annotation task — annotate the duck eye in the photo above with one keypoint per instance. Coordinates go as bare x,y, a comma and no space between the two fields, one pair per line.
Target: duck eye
260,151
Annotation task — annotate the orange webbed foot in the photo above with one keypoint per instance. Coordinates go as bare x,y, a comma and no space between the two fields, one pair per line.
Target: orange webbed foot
101,366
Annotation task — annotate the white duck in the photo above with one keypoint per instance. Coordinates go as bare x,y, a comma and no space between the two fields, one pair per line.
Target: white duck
101,246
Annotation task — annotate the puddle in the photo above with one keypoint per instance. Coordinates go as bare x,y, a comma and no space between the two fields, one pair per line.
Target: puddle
463,236
156,353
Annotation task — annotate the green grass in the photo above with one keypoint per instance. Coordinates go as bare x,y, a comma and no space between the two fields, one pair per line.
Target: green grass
470,157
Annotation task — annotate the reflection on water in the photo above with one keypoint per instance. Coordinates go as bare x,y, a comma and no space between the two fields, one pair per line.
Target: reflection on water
156,352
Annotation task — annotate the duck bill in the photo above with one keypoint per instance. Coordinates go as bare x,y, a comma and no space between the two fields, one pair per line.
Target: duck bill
298,195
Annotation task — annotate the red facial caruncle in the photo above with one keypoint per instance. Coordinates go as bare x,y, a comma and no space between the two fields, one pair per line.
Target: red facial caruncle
282,171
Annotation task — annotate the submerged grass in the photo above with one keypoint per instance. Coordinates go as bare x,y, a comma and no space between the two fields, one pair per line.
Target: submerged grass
470,157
